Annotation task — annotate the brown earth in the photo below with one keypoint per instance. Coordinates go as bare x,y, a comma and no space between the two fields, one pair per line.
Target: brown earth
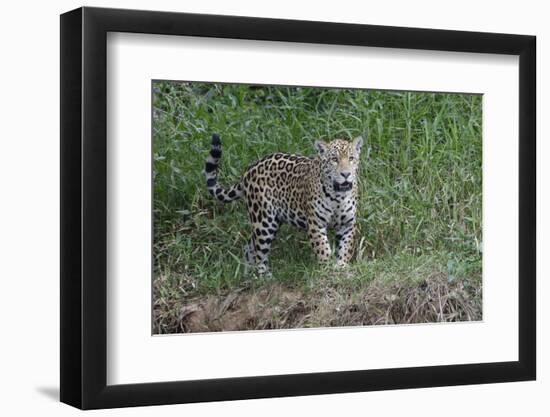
277,306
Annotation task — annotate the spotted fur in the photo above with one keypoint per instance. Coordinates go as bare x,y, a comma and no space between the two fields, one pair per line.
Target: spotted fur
312,193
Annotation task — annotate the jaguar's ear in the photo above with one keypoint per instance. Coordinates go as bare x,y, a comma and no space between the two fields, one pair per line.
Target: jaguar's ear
358,143
321,146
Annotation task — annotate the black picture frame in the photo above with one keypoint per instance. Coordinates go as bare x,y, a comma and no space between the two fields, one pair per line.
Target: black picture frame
84,207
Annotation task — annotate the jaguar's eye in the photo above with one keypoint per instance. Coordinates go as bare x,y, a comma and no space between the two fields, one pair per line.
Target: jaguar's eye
334,160
351,158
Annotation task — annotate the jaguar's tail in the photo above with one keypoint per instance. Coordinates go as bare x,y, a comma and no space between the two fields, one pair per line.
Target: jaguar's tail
211,173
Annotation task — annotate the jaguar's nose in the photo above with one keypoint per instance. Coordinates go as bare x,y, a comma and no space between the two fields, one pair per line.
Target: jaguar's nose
345,174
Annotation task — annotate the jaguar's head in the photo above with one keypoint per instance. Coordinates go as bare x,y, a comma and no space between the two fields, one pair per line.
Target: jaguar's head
339,161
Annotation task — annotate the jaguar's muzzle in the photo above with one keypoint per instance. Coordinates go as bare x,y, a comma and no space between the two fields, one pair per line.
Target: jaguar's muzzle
343,186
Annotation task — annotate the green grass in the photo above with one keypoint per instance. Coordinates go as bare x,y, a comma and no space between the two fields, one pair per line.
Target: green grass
420,181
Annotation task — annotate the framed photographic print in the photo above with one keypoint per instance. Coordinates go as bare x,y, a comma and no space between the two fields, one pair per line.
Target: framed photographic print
257,208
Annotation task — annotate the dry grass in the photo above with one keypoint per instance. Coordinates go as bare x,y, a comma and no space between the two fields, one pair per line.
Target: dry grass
329,304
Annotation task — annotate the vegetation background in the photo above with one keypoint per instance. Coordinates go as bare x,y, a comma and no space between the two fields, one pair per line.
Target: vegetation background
419,246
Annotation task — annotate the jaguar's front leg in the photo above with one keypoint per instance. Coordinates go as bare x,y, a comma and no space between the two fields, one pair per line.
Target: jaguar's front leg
319,242
344,242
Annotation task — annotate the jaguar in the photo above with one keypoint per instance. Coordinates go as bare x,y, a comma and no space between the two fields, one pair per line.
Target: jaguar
315,193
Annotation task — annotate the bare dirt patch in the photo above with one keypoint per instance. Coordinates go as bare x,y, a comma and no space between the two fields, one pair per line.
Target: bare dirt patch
276,306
